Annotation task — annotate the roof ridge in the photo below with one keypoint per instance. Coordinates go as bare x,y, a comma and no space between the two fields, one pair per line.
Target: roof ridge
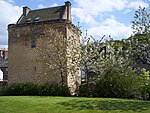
47,8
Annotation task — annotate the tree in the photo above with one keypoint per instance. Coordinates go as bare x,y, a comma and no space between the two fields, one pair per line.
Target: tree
56,56
100,58
140,41
141,24
92,55
111,61
111,66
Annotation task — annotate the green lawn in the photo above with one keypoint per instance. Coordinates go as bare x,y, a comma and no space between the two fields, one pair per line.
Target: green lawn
37,104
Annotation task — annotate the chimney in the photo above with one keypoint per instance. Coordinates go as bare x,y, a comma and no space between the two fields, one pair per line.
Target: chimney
68,6
26,10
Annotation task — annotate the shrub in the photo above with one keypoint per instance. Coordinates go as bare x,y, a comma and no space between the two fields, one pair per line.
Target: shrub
63,90
146,90
21,89
118,87
115,84
35,89
1,90
83,90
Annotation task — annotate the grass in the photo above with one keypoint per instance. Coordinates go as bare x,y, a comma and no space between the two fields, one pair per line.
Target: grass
37,104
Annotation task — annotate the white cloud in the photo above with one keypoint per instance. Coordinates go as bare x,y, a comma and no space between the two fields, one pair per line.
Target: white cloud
4,46
10,1
83,16
54,5
111,27
127,11
9,14
40,6
44,6
136,3
88,10
41,0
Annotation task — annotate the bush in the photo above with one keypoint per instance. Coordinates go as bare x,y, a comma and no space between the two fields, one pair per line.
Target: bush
146,90
21,89
83,90
119,87
35,89
115,84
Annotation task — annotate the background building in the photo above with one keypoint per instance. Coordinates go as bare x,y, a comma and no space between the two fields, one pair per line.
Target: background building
3,66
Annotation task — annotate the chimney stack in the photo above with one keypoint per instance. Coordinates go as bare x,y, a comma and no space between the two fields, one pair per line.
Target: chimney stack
26,10
68,6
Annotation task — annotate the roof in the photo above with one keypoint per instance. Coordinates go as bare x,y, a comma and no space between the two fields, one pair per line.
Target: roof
46,14
4,63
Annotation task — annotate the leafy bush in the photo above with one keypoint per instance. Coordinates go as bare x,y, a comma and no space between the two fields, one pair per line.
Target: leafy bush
83,90
118,87
115,84
35,89
146,90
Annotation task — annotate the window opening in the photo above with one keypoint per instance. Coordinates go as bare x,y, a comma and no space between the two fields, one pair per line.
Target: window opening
33,43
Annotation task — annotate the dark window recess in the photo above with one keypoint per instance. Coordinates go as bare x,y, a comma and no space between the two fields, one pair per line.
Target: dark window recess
33,43
35,69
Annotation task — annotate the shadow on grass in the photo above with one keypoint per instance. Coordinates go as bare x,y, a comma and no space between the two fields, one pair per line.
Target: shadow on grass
106,105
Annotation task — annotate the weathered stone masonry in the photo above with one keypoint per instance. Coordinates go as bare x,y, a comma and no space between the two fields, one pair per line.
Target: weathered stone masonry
22,66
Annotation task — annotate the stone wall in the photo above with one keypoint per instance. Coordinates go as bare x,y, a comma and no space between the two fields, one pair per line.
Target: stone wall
22,58
74,77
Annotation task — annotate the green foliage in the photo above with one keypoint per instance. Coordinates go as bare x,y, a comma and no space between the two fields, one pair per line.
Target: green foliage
145,84
35,89
118,85
146,91
140,48
83,90
92,53
145,74
112,67
139,43
141,24
114,75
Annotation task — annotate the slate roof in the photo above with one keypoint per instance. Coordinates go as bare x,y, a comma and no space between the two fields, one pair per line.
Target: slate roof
45,14
4,63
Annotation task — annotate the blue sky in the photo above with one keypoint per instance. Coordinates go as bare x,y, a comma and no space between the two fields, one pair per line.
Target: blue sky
98,17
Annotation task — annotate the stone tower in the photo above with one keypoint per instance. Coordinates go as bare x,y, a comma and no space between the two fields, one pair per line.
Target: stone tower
22,42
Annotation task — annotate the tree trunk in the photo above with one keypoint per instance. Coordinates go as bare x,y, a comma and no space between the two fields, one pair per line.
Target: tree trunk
62,78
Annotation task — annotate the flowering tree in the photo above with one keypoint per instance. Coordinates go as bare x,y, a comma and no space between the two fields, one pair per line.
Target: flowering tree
55,55
141,24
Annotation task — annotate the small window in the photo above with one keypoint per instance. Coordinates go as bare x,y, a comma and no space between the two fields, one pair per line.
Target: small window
33,43
35,69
